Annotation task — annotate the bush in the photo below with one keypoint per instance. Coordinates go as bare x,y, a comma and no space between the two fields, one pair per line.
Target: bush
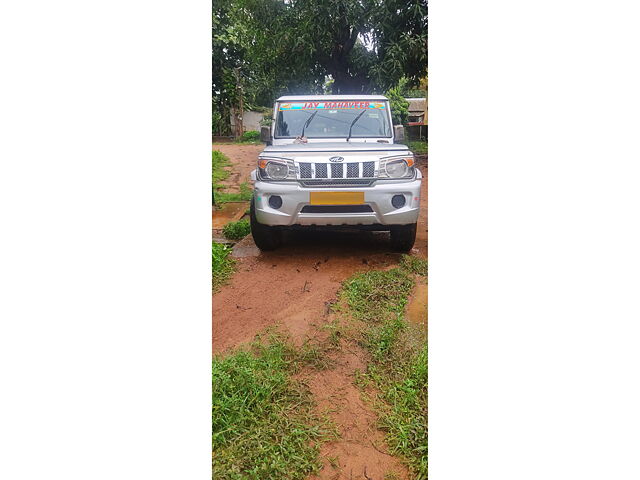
237,230
267,119
415,93
399,106
250,136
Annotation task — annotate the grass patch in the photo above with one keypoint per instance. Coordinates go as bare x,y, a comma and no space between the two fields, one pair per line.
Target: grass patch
264,423
376,295
398,366
243,196
415,265
222,264
419,147
219,163
237,230
219,172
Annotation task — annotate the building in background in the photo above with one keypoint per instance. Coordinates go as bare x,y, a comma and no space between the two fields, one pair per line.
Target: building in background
417,122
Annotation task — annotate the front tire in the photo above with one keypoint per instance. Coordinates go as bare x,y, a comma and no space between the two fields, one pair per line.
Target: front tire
265,237
403,237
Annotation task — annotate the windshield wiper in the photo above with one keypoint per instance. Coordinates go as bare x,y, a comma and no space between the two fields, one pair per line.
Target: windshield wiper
354,122
306,124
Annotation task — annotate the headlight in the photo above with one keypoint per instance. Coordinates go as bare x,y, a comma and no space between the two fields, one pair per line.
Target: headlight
276,169
396,167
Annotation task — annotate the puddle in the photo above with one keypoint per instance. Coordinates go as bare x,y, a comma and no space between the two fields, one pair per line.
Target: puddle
230,212
417,309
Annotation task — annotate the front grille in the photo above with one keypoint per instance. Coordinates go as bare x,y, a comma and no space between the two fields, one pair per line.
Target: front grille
327,174
321,170
337,170
305,170
336,209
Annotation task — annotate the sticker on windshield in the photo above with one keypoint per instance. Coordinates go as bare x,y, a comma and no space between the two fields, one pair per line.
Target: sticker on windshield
331,105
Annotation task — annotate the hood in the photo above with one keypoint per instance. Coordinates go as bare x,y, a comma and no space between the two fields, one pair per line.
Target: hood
380,149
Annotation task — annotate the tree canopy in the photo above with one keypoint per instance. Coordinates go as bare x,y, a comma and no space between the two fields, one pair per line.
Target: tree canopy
265,48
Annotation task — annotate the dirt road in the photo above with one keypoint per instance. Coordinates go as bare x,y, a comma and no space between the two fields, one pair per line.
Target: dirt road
293,288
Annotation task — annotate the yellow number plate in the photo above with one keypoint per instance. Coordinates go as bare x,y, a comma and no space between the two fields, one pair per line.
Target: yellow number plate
336,198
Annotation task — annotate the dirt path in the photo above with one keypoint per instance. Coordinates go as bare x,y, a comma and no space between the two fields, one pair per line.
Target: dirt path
293,288
360,451
244,158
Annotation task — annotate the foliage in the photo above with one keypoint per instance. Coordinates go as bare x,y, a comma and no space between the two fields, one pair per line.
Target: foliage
267,119
415,93
263,421
399,105
249,136
237,230
266,48
419,147
398,350
222,265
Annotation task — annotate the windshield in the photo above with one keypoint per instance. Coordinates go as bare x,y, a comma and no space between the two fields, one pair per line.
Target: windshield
332,119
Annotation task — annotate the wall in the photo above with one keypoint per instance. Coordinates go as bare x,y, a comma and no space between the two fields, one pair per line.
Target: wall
250,121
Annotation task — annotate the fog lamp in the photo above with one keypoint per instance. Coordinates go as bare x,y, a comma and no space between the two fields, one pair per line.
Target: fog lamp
398,201
275,201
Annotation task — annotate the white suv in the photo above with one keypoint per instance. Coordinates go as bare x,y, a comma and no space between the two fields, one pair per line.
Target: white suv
331,161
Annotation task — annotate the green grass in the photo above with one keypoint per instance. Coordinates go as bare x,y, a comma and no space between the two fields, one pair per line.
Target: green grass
237,230
219,172
219,162
243,196
414,265
398,367
222,264
264,423
419,147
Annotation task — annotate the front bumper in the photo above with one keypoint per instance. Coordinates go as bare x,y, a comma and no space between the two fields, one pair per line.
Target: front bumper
378,196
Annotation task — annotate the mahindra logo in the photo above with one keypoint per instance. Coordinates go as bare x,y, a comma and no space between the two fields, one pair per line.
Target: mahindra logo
336,159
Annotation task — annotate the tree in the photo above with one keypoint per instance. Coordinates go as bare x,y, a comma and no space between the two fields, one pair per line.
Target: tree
292,47
365,45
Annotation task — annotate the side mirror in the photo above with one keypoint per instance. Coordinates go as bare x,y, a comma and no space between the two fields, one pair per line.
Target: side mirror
265,134
398,133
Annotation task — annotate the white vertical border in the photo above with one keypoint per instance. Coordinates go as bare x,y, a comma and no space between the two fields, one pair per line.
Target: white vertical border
105,330
534,240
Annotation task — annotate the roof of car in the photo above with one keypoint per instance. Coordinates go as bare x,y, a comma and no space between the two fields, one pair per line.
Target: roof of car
329,98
